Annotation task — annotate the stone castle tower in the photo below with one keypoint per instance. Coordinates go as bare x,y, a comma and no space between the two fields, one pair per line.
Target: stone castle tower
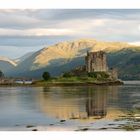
96,62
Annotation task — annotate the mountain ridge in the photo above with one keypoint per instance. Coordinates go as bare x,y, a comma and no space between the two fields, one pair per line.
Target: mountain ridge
64,56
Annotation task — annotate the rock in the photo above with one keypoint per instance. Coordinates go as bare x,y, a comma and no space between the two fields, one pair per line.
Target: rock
34,130
62,120
103,128
111,124
17,125
29,126
51,124
84,129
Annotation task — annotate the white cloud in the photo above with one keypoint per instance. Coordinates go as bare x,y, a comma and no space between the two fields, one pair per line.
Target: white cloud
135,43
80,24
139,27
22,28
36,32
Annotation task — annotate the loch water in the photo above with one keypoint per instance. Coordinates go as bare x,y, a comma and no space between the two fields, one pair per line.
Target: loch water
76,108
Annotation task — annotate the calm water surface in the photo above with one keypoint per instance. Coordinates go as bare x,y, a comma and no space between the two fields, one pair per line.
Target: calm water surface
71,108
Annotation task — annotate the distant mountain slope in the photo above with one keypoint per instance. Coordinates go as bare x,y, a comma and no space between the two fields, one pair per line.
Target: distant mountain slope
127,61
6,65
19,60
65,56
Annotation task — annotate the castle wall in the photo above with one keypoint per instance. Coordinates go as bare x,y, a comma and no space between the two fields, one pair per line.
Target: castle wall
96,62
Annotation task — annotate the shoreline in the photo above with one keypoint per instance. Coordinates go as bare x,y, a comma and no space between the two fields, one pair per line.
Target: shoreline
51,84
81,83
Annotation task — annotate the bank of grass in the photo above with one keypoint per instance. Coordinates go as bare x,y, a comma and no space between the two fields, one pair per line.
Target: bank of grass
89,77
76,81
69,80
93,78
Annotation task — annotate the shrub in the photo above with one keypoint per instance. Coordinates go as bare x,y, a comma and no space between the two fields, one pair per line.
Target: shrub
104,75
46,76
98,75
67,74
92,74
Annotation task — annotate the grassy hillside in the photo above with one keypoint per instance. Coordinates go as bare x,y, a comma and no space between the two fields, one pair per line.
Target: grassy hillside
127,61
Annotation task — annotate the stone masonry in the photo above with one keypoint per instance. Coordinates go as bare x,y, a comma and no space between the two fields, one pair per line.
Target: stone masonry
96,62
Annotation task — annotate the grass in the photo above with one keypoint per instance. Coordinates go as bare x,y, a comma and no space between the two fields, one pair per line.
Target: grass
70,80
75,80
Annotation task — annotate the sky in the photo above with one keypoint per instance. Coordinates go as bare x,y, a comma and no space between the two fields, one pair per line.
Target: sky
23,31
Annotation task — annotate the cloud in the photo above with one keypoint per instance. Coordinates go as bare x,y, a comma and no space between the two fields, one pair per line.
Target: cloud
139,27
32,28
23,19
35,32
16,19
135,43
70,14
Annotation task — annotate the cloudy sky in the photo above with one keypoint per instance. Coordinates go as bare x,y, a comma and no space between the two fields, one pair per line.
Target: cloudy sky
23,31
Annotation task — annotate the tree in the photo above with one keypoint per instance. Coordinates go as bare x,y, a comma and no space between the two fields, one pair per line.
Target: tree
1,74
46,76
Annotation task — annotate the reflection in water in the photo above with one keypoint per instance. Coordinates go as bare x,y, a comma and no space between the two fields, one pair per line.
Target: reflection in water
96,102
80,102
21,106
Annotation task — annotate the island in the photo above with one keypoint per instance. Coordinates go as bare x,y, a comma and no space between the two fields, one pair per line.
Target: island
94,72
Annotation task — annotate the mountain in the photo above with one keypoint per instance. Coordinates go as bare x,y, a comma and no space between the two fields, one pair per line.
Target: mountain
7,65
127,61
19,60
65,56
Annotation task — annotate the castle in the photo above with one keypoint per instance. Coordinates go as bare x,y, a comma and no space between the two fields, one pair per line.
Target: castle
96,62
